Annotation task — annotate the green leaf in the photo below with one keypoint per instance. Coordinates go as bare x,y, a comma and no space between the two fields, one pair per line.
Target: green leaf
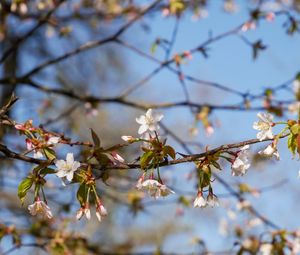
95,138
23,188
204,178
146,158
168,150
295,129
47,170
216,165
82,194
50,154
292,144
102,157
153,47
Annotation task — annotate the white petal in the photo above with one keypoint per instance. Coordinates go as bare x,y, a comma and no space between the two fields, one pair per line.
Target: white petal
98,215
141,120
75,165
69,176
158,117
70,158
269,134
60,164
37,154
32,209
87,213
149,114
261,135
142,129
61,173
53,140
256,126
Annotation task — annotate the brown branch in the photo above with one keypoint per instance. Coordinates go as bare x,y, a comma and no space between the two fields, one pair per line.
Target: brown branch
120,100
185,159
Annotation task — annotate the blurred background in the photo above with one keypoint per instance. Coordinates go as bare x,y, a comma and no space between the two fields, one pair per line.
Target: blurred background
228,59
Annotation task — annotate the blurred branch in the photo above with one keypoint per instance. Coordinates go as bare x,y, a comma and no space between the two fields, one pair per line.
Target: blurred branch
41,22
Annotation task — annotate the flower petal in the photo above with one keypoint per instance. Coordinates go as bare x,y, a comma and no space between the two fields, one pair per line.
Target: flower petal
70,158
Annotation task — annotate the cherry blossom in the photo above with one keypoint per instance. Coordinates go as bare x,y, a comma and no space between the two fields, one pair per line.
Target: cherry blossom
296,86
212,200
266,249
269,151
270,16
149,121
53,140
154,188
264,125
40,207
100,211
128,138
241,162
85,210
117,157
200,200
66,168
294,107
250,25
36,152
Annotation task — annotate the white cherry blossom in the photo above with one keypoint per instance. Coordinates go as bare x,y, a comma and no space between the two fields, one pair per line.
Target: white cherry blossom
100,211
66,168
241,162
85,210
212,200
266,249
154,188
149,121
269,151
264,125
296,86
200,200
128,138
40,207
53,140
294,107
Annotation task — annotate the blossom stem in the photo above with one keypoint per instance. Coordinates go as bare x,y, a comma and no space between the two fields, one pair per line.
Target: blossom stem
158,174
95,194
36,190
88,195
280,122
156,136
44,196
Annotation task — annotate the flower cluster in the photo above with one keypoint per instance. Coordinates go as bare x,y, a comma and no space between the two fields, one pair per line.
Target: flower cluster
156,153
155,188
211,200
38,141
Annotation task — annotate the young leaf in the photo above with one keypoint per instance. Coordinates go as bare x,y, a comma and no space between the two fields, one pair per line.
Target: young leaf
168,150
292,144
49,153
146,158
23,188
95,138
47,170
82,194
